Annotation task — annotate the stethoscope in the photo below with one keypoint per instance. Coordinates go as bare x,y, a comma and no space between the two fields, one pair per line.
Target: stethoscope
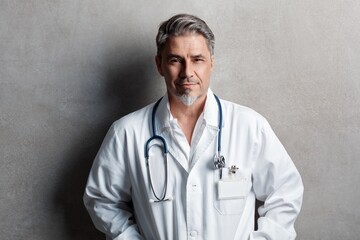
219,160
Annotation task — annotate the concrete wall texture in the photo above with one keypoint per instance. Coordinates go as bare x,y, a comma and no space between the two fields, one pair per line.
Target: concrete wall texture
71,68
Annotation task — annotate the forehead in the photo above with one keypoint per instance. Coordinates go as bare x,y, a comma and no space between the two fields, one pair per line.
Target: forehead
192,42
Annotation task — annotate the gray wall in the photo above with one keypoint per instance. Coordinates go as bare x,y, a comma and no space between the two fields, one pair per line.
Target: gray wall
70,68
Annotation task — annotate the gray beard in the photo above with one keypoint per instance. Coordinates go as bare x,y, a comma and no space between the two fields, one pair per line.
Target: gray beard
187,99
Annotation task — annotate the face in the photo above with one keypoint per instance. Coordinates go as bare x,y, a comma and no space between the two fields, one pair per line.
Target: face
186,64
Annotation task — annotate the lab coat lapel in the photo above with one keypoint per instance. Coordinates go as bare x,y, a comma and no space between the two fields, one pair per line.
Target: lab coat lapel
163,128
208,138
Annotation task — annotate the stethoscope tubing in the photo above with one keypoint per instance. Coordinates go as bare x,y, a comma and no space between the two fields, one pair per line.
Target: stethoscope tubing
163,141
220,124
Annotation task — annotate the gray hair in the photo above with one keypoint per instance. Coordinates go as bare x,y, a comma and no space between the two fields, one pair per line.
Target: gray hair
182,24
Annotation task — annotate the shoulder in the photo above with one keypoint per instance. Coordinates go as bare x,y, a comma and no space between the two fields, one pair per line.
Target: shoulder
240,112
243,119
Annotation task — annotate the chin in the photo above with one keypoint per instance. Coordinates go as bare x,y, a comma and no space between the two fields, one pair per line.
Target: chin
187,99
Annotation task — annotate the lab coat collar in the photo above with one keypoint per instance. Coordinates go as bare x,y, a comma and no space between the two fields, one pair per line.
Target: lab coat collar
211,110
163,116
164,122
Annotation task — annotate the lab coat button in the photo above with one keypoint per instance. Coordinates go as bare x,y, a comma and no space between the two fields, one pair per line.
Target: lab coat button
193,233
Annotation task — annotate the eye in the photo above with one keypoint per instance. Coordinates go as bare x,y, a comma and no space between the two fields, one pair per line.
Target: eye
199,60
174,60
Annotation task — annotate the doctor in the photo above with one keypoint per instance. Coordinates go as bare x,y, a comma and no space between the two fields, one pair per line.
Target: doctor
191,165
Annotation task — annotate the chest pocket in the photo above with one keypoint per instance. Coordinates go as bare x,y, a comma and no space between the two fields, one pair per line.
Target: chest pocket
231,190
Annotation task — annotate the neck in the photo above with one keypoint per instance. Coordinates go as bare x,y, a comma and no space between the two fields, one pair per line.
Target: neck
181,110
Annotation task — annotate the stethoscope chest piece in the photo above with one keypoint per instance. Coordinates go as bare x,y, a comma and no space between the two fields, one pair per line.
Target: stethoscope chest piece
219,161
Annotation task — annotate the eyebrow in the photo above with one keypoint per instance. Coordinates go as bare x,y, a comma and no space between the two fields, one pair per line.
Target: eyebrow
179,57
198,56
172,56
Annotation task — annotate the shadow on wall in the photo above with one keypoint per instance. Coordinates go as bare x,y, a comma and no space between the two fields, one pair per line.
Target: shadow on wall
129,79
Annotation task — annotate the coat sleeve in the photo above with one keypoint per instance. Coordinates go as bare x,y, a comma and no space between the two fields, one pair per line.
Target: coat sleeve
107,194
277,183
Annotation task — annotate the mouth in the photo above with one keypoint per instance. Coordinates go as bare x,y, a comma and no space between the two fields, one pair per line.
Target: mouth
186,83
185,87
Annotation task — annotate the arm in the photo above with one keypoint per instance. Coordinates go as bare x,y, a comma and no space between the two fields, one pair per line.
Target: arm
278,184
107,195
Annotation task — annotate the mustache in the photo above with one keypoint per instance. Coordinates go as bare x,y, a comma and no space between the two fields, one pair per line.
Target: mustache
181,81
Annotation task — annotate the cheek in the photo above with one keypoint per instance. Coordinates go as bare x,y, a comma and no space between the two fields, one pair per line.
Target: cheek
172,72
169,76
205,72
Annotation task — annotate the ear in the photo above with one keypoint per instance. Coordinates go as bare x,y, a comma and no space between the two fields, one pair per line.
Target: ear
212,62
158,65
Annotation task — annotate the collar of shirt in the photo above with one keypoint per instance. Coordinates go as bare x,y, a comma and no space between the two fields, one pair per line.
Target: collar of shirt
164,119
167,127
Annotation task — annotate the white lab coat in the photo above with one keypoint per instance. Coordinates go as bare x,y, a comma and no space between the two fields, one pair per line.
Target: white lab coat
119,176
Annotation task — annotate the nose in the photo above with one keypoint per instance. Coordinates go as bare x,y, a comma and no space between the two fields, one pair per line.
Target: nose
187,70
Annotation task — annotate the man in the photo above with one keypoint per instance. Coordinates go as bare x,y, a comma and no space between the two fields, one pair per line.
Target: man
160,172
